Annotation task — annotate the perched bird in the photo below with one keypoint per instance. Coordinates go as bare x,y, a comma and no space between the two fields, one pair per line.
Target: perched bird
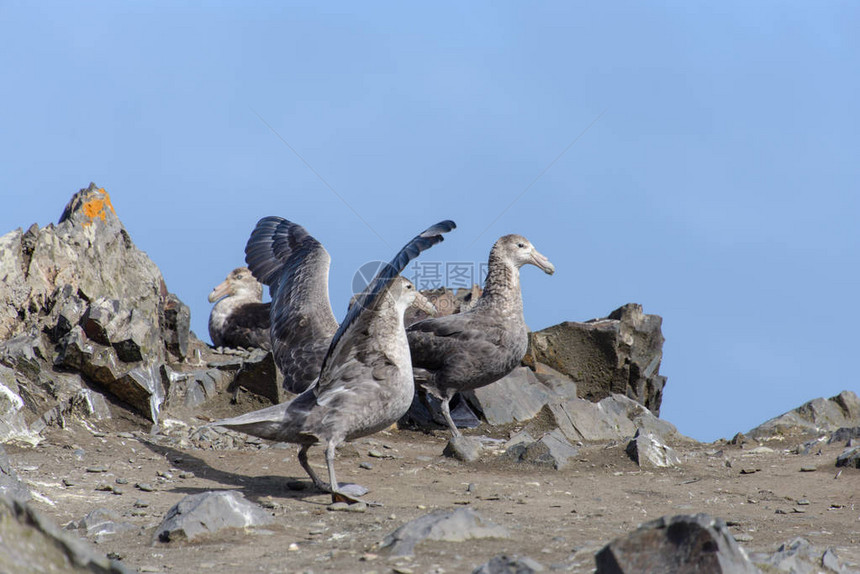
365,382
284,256
239,318
480,346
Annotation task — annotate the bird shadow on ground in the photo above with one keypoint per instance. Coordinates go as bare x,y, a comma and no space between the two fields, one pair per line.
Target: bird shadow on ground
252,487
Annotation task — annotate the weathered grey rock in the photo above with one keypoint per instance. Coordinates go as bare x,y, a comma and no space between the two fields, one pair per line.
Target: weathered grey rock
517,397
815,418
209,512
176,325
13,425
10,485
259,375
457,526
101,523
505,564
463,448
620,354
648,451
614,418
683,543
191,389
799,556
850,457
844,435
551,450
31,544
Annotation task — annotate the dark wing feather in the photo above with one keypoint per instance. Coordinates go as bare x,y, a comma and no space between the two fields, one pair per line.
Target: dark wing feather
366,299
248,326
284,256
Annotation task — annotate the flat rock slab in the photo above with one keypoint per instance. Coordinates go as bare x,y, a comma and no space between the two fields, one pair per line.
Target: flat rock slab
850,457
209,512
457,526
101,523
31,544
814,418
516,397
505,564
683,543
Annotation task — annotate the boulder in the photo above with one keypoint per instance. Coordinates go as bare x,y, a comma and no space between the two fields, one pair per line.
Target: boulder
13,425
850,457
206,513
817,417
683,543
648,451
448,526
619,354
259,375
29,544
463,448
551,450
101,523
517,397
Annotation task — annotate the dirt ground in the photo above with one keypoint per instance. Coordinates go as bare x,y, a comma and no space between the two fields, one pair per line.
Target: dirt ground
559,518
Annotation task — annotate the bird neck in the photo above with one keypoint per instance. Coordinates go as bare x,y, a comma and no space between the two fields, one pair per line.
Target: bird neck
502,287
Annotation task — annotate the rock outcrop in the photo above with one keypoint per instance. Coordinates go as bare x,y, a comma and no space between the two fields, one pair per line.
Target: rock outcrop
619,354
817,417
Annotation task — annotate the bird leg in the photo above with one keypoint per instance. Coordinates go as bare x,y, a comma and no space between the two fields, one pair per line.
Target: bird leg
303,460
446,411
344,492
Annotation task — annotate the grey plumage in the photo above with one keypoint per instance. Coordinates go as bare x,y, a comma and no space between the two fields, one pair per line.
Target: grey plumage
480,346
365,383
239,318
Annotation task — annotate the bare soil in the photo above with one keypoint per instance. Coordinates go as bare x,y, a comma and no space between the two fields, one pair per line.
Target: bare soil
559,518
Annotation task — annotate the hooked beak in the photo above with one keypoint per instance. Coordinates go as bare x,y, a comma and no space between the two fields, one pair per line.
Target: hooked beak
423,303
540,261
222,290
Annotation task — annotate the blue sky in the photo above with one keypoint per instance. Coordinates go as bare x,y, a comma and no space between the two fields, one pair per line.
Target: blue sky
712,177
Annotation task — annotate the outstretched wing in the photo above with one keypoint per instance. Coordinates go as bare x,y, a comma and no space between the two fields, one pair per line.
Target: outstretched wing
284,256
377,286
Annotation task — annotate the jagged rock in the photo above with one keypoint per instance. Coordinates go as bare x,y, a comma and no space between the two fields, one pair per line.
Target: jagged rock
647,450
13,426
683,543
209,512
101,523
463,448
457,526
193,388
614,418
176,325
850,457
29,544
517,397
10,485
814,418
844,434
800,557
551,450
505,564
259,375
620,354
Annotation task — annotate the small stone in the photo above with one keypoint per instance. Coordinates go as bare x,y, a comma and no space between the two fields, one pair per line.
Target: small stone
808,468
357,507
267,502
96,469
337,507
402,570
145,487
366,466
463,448
373,453
186,474
780,511
124,435
293,547
803,502
750,470
99,434
69,482
799,510
368,557
164,474
140,503
104,487
742,537
117,491
121,481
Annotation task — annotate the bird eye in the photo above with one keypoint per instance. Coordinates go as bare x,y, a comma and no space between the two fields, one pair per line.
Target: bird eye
521,245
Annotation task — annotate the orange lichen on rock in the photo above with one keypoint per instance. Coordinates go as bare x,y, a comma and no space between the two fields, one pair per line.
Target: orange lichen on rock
97,207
